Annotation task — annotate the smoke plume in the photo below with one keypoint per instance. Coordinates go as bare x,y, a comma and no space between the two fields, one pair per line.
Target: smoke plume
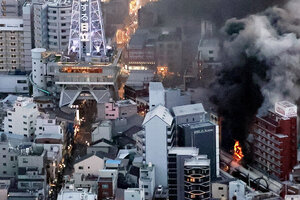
262,66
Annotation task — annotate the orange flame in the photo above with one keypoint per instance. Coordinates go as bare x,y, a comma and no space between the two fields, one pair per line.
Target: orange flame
238,153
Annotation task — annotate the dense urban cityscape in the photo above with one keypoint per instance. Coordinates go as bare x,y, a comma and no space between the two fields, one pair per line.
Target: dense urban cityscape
149,99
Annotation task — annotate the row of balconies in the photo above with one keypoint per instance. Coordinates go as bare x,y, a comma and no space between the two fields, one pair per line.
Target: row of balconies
263,134
270,159
267,144
267,166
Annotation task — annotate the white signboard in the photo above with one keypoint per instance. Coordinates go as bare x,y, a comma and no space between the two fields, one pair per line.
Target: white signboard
84,21
286,109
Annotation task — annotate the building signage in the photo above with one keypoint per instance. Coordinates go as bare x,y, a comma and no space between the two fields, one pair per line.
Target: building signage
286,109
84,20
203,131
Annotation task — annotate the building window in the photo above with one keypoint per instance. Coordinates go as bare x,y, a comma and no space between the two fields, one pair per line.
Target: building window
25,160
24,122
9,126
4,156
21,81
80,167
105,186
4,172
11,158
13,61
4,164
3,149
25,129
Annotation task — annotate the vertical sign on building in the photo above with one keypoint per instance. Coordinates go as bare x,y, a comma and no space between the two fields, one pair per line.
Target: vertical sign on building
84,21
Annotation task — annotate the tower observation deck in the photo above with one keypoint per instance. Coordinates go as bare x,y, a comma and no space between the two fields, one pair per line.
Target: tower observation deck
90,74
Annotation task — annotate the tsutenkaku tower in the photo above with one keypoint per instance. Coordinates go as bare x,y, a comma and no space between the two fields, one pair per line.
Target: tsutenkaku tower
87,37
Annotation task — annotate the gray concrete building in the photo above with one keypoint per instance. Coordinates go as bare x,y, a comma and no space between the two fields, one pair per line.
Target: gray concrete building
176,159
52,21
8,158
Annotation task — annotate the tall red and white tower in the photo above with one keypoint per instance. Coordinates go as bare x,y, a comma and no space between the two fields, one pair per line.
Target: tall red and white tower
87,36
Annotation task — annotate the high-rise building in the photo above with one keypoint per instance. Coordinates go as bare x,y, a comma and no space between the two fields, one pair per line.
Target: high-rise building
10,8
159,131
28,35
11,44
52,24
275,140
59,21
176,159
197,178
194,130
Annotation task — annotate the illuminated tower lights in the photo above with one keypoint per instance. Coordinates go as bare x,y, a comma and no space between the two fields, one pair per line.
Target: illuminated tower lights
87,38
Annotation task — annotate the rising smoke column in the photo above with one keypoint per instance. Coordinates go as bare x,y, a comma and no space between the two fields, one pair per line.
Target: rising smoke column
262,66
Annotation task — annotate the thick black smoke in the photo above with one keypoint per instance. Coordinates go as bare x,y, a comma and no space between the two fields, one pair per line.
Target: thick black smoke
217,11
262,66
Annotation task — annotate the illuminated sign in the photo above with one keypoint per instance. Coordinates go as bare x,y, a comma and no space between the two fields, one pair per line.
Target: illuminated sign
84,19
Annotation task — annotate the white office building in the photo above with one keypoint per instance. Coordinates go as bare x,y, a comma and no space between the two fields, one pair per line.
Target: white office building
169,98
48,124
21,119
156,95
159,135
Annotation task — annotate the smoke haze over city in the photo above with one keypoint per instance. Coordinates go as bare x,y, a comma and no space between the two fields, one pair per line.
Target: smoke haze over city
261,66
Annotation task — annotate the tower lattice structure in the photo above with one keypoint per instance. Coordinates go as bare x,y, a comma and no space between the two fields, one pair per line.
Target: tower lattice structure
87,36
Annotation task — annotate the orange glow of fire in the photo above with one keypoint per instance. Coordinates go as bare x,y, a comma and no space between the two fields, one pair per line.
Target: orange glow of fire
162,70
238,153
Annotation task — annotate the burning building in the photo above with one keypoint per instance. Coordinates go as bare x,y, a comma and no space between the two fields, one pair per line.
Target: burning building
238,153
275,140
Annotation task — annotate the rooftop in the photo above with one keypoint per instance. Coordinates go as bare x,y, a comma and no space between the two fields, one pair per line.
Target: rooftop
161,112
184,151
125,102
156,86
99,154
200,160
209,42
188,109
